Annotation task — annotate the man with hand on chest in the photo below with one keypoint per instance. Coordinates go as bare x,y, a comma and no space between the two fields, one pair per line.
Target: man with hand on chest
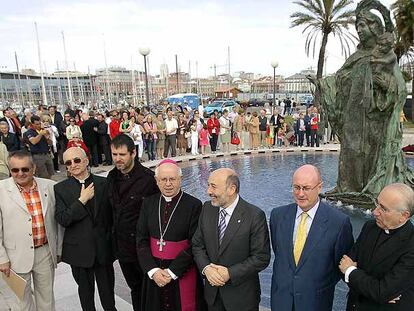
165,228
82,207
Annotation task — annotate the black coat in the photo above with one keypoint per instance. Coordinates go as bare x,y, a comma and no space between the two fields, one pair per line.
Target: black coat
126,194
87,232
11,141
384,272
103,137
90,136
58,123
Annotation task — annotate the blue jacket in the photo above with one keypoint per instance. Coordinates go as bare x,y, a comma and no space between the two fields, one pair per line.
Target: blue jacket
310,286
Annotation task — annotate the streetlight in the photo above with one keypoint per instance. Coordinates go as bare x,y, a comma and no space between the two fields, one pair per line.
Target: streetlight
144,52
274,65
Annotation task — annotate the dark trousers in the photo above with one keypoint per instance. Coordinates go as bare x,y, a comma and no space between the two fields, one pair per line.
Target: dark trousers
133,276
219,306
170,141
308,137
105,279
93,150
213,142
314,138
151,149
301,136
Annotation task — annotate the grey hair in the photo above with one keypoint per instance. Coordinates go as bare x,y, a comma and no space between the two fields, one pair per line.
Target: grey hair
180,172
20,154
4,123
233,180
406,194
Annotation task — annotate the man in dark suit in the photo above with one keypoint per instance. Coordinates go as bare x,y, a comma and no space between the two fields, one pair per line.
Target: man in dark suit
309,238
82,207
89,130
380,267
230,246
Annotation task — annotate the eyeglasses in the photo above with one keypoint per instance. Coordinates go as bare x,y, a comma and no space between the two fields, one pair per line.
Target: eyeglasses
166,180
74,161
306,189
15,170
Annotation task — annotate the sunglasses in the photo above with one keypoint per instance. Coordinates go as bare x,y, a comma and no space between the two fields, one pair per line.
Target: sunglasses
23,169
74,161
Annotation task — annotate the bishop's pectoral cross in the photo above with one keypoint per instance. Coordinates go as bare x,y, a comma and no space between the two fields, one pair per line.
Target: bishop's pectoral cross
161,244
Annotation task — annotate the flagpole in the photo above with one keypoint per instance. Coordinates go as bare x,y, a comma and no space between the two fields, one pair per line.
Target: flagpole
134,86
40,67
67,72
20,81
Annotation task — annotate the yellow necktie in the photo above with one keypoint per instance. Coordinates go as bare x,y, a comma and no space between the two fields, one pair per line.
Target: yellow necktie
301,236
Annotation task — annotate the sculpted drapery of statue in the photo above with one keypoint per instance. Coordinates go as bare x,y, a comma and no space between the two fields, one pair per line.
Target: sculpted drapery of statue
363,101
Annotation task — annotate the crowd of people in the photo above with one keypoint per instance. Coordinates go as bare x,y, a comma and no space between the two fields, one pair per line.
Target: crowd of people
177,253
174,131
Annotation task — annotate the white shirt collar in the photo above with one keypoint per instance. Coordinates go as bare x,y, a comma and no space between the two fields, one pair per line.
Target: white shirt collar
231,207
169,199
82,181
311,212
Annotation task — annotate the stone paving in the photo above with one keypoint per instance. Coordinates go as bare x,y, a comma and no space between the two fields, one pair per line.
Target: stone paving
65,287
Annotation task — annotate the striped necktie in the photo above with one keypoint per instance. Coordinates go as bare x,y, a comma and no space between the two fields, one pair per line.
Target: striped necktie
222,224
301,236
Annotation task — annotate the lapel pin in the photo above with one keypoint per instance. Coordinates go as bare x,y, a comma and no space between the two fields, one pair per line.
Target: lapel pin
239,221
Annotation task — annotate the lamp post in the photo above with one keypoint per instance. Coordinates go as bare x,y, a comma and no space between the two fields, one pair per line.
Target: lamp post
274,65
144,52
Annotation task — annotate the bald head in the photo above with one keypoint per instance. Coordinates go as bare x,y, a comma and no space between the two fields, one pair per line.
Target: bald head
73,152
223,187
306,186
308,172
76,162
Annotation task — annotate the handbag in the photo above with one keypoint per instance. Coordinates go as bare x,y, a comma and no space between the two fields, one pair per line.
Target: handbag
235,140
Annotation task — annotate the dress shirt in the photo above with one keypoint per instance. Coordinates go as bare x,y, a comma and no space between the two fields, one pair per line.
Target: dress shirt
309,220
171,126
229,210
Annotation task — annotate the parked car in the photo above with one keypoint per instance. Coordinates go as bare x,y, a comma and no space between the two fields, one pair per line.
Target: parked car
219,105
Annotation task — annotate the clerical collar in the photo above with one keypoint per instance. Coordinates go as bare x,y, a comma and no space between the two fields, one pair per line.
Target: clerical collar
392,231
170,199
82,181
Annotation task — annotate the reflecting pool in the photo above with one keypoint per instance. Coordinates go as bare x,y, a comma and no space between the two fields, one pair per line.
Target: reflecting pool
265,182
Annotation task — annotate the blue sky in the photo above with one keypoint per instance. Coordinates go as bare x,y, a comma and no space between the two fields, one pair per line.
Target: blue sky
256,31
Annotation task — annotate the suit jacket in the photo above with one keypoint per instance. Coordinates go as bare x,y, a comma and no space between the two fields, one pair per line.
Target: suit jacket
244,250
16,240
384,272
310,285
87,234
58,119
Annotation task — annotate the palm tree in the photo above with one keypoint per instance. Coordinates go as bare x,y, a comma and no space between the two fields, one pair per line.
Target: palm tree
404,46
324,17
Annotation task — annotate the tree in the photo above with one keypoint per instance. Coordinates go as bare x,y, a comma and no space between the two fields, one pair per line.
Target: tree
404,47
324,17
